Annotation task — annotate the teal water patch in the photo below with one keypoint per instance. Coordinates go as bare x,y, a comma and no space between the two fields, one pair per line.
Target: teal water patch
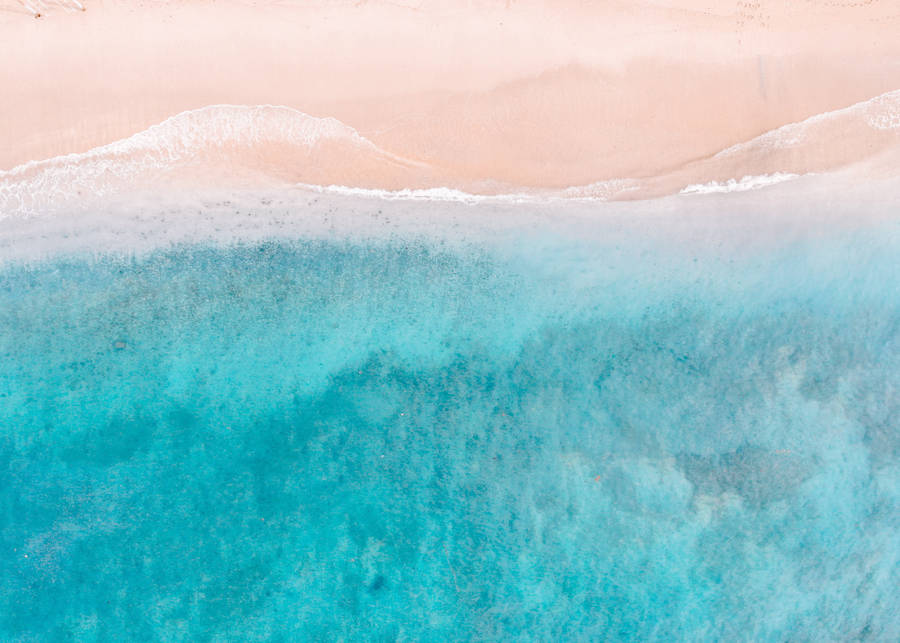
544,439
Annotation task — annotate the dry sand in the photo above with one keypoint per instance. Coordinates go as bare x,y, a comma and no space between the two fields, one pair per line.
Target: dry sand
484,96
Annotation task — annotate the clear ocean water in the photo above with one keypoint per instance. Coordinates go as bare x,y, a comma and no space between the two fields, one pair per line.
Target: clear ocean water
541,438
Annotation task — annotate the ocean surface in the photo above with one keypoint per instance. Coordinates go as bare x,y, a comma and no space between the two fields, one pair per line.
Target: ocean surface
555,431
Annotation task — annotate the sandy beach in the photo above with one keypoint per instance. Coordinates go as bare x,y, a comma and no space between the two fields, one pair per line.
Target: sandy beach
485,97
449,320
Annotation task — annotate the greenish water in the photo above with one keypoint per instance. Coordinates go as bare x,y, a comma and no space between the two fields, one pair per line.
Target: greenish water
555,441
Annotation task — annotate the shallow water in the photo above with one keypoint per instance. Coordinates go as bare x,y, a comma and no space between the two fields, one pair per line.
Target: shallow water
539,437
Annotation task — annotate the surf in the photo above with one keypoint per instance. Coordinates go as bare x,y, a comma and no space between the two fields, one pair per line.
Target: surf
272,145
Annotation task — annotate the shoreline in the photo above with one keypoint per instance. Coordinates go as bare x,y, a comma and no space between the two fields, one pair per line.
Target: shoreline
143,222
276,146
484,95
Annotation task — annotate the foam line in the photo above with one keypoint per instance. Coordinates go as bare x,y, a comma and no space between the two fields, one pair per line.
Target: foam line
742,185
881,113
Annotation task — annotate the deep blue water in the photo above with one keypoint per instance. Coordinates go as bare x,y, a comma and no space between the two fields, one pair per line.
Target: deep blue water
539,440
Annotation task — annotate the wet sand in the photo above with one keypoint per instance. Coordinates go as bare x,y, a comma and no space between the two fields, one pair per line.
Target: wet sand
487,98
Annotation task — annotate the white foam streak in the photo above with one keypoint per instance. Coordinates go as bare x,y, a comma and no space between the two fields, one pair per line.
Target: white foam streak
234,137
37,185
426,194
214,125
742,185
601,190
881,112
884,111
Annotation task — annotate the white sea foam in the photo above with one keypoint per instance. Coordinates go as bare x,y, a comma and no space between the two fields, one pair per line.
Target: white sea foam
217,129
881,112
239,134
425,194
183,134
742,185
601,190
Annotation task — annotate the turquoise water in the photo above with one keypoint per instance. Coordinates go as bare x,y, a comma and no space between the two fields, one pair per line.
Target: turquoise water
540,438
